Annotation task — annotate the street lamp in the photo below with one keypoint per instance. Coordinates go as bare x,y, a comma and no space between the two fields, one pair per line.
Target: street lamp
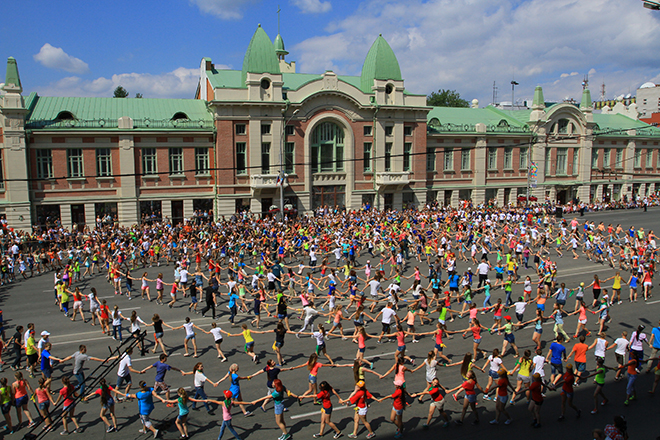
282,175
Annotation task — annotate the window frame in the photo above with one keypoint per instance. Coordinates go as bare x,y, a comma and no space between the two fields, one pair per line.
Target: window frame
241,158
649,158
448,159
289,157
595,156
74,163
103,162
637,161
619,158
240,129
175,161
388,157
44,162
407,155
523,159
202,161
265,128
265,157
492,159
508,158
366,156
561,162
149,155
466,157
430,159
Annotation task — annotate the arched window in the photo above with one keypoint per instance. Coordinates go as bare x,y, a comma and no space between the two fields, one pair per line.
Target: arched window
562,126
65,116
179,115
502,124
327,148
434,122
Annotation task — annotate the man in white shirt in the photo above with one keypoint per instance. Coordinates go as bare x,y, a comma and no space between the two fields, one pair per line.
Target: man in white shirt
309,313
482,270
539,362
125,370
388,314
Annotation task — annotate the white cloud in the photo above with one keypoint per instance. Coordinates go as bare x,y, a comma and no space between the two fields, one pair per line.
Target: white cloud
56,58
466,45
225,9
179,83
313,6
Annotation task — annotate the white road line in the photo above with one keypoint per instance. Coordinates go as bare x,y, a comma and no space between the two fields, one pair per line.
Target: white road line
300,416
379,355
653,302
150,358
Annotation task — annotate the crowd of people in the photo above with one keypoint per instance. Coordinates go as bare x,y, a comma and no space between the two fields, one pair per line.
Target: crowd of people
397,269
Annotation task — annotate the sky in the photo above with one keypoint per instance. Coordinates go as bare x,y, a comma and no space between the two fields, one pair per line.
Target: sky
87,48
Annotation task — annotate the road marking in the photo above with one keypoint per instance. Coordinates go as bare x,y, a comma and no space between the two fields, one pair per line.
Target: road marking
149,358
379,355
313,413
653,302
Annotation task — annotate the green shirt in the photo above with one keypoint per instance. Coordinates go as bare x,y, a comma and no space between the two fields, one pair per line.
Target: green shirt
31,347
600,375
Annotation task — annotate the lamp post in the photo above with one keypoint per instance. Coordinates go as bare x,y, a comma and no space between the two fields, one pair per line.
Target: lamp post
282,175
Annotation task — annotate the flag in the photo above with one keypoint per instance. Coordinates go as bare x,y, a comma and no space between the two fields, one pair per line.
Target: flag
533,170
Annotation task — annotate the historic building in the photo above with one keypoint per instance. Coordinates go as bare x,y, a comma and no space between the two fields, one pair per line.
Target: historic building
337,140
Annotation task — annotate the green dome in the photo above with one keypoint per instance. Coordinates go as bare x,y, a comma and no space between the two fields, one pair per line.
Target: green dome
380,63
279,46
260,55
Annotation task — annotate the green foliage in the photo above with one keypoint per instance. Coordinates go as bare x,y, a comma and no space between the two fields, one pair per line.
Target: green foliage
446,98
120,92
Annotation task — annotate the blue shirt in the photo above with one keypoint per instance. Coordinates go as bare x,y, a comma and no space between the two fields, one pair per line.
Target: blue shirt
558,353
145,402
161,369
232,300
656,337
45,360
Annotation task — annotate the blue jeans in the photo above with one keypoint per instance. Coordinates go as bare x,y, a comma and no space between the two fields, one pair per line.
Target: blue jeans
200,394
116,332
233,311
487,302
80,377
508,301
227,424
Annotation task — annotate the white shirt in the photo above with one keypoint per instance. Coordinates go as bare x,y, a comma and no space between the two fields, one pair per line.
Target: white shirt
495,363
374,285
320,338
217,334
199,379
482,268
539,361
599,350
309,312
388,314
135,325
123,366
190,331
621,345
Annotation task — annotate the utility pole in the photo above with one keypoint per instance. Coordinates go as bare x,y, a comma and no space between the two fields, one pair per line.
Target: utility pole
514,83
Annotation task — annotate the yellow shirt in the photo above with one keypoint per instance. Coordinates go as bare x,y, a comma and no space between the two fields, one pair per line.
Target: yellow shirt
248,336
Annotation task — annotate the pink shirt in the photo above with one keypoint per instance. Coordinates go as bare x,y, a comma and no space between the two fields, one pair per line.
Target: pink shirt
226,412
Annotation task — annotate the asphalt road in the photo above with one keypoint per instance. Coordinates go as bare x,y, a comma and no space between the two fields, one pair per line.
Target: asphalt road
32,301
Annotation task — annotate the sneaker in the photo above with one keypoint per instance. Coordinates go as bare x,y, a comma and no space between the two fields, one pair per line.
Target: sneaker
156,433
508,422
249,414
337,435
351,435
458,422
371,435
64,433
32,423
494,422
371,366
486,397
109,429
561,418
285,437
425,427
627,402
317,436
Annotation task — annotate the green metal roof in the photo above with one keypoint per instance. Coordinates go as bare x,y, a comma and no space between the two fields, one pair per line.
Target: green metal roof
464,120
260,56
279,46
12,73
46,108
380,63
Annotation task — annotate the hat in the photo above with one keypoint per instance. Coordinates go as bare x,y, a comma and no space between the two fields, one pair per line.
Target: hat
45,333
488,280
469,269
582,284
360,383
228,394
507,317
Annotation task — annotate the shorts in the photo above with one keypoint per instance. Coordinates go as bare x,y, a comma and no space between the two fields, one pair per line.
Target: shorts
144,418
279,344
541,307
493,374
124,379
561,302
509,338
503,399
477,341
439,404
362,411
21,401
557,368
110,403
361,350
189,337
249,346
68,408
32,358
438,347
6,408
524,379
327,411
385,328
193,299
312,378
519,316
537,403
282,316
279,408
472,398
568,395
499,276
401,348
161,386
648,284
398,412
47,372
581,366
77,305
320,348
582,321
159,335
619,359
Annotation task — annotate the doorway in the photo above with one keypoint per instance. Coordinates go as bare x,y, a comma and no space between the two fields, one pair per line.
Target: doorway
177,211
78,215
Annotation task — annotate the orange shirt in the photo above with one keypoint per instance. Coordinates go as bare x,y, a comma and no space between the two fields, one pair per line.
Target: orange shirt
580,350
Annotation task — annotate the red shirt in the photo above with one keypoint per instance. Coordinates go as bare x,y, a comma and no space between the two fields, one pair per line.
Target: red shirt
535,389
569,378
360,398
435,394
67,393
325,399
399,399
502,384
468,386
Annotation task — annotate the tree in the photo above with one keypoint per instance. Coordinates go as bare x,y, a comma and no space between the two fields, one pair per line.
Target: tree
446,98
138,95
120,92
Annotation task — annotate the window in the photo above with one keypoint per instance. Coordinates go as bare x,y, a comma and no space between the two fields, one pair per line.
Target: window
241,158
289,130
388,130
562,157
548,153
265,128
562,126
524,152
388,156
508,158
265,157
202,160
465,159
367,130
407,150
149,161
576,158
449,159
176,160
638,158
594,158
619,158
103,162
45,164
366,157
606,158
289,150
327,148
407,131
430,159
492,158
649,158
240,128
74,162
2,174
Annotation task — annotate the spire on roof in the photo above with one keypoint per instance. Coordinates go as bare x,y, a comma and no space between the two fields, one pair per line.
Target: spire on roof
12,80
538,103
585,104
279,42
380,63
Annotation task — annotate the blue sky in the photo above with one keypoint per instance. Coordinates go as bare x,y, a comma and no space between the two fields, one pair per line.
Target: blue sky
87,48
